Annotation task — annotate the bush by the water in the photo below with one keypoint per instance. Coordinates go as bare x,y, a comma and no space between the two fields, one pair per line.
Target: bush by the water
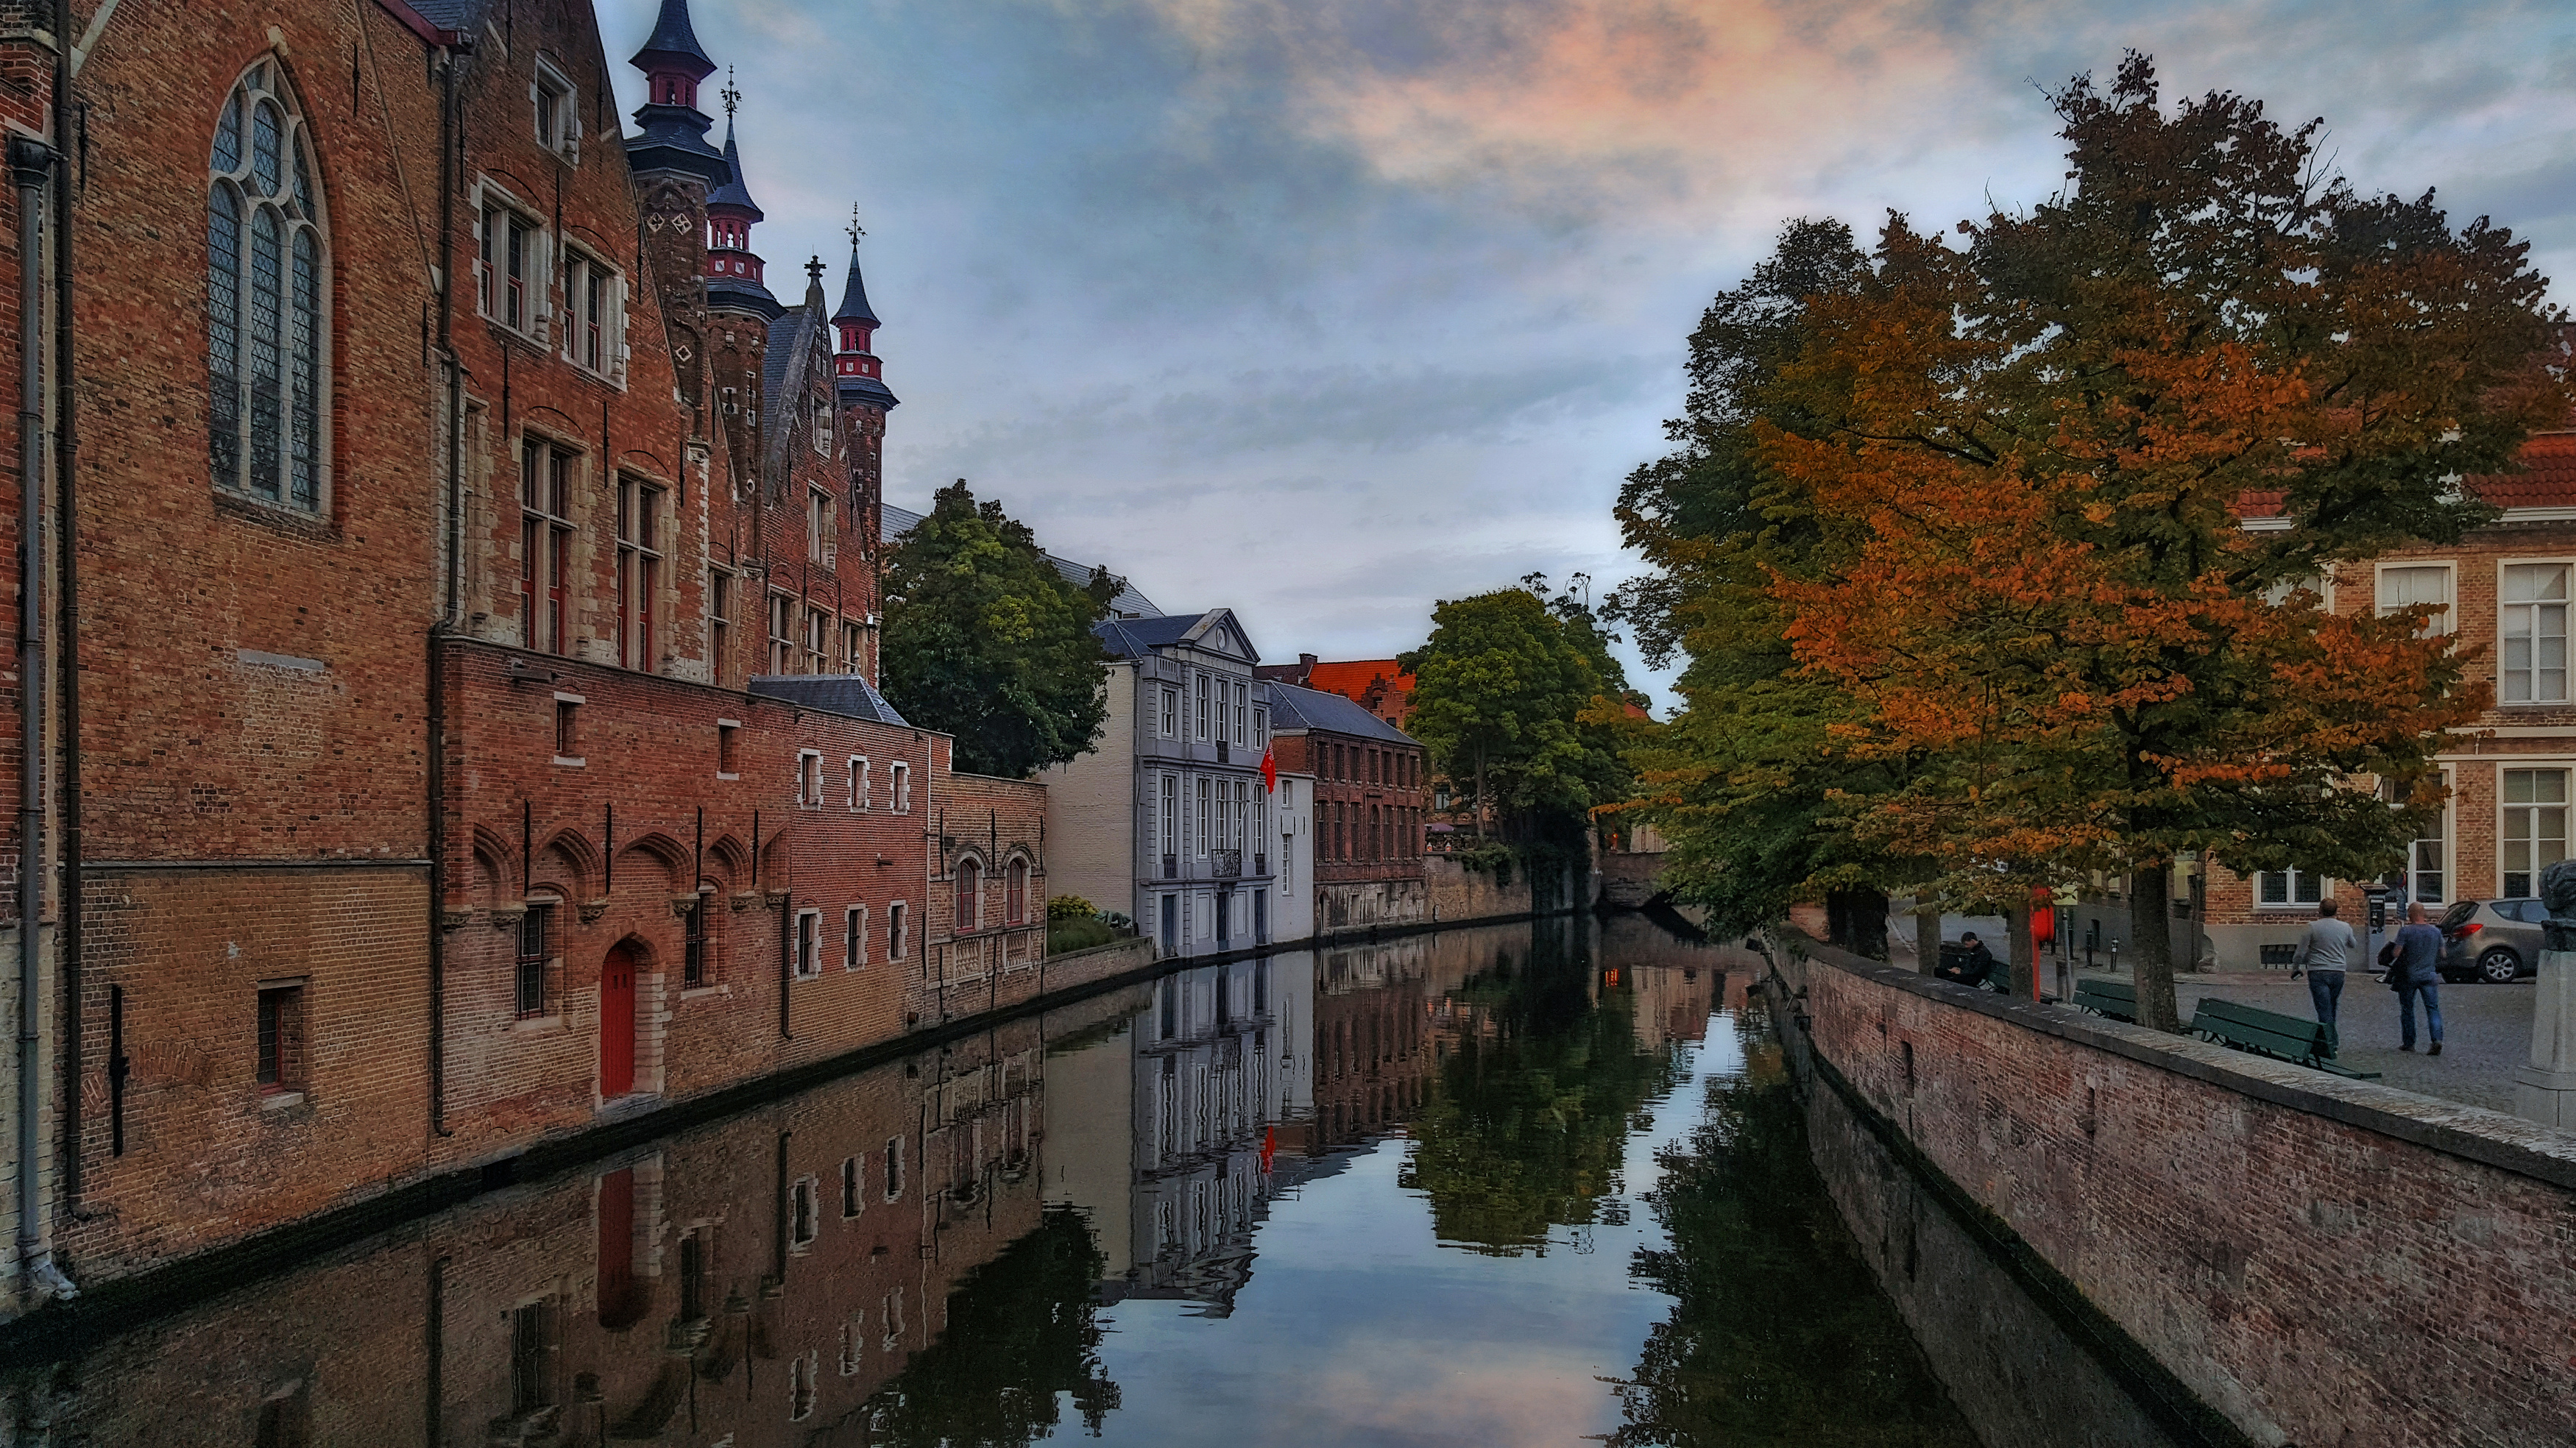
1069,907
1064,936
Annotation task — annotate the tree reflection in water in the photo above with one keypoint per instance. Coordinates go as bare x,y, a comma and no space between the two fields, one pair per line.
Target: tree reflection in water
1022,1330
1541,1080
1778,1333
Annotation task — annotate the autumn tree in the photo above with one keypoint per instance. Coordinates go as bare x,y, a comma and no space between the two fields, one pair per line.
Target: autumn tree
986,641
2032,456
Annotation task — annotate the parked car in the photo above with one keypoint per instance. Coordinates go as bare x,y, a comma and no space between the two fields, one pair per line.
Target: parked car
2492,940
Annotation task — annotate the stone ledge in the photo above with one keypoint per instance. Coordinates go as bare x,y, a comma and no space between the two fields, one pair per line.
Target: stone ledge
2489,1138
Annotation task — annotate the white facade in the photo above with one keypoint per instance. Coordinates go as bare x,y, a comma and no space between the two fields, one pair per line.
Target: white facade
1292,815
1090,831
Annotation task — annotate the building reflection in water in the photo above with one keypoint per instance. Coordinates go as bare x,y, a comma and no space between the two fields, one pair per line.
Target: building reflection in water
922,1253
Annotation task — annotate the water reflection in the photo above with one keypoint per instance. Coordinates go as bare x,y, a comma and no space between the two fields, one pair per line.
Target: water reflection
1531,1184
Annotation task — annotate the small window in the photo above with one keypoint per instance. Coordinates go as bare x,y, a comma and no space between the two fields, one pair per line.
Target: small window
809,778
536,928
970,904
854,1196
2535,827
2418,584
800,1212
854,1340
1242,716
895,924
512,280
894,1168
1202,707
809,931
532,1356
823,428
2532,628
1260,728
2289,888
281,1038
858,781
693,959
854,937
558,114
783,652
639,573
719,620
1171,713
818,529
854,648
567,730
801,1372
546,477
1015,908
728,749
902,790
594,331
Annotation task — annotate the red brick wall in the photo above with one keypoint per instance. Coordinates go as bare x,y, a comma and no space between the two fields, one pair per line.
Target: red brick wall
2322,1261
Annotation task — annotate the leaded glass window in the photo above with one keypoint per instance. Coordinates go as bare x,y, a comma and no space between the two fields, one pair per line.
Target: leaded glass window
267,277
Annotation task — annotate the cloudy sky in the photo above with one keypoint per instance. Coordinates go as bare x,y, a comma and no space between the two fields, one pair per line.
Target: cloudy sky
1327,309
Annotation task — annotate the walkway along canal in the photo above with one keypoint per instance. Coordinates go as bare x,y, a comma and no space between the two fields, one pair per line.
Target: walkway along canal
1530,1184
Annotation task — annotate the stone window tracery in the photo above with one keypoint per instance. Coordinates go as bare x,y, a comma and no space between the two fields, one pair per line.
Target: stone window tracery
267,290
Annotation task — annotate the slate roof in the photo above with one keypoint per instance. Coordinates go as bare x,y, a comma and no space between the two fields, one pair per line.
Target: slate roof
733,192
1294,708
450,14
846,694
1133,638
744,294
894,522
854,296
674,35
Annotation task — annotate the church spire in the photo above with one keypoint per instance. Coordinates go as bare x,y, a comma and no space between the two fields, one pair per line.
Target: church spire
862,375
674,129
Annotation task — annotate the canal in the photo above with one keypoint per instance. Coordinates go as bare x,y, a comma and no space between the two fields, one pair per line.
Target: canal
1538,1184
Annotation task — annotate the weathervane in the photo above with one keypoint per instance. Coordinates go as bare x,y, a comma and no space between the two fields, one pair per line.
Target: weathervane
732,97
856,230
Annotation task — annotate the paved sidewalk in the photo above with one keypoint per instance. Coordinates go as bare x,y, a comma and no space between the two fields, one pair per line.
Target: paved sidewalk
2486,1029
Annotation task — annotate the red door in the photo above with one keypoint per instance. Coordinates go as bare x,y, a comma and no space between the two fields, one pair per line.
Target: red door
621,1302
617,1024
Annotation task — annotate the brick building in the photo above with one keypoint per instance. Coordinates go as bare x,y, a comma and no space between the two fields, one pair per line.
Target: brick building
2503,592
1371,794
499,755
1381,686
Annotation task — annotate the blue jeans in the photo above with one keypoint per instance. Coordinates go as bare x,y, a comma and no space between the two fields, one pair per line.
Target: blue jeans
2325,987
2432,993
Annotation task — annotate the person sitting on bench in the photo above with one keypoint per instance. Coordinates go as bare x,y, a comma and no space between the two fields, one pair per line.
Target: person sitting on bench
1972,965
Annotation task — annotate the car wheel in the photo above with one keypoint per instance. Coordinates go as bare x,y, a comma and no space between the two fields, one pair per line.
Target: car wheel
2499,965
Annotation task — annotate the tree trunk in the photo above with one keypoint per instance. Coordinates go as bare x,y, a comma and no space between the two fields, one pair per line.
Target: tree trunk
1857,921
2151,946
2025,958
1927,936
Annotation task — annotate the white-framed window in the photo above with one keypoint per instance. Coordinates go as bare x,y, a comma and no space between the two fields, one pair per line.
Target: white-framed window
858,781
818,641
268,300
1242,713
854,1336
818,529
2428,860
1203,707
2531,627
1171,837
897,923
809,778
854,937
595,322
1203,841
900,787
801,1213
854,648
2287,889
639,571
2313,583
782,633
1260,728
802,1370
823,428
893,1177
854,1190
2532,835
809,944
511,267
719,619
558,112
2404,585
1171,713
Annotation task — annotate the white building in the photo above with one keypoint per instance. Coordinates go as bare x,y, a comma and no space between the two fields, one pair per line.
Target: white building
1168,813
1292,817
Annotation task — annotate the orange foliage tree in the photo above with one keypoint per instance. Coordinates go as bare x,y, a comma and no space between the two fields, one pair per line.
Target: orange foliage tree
2030,455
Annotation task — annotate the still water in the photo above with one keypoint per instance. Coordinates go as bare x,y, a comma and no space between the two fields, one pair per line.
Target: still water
1542,1184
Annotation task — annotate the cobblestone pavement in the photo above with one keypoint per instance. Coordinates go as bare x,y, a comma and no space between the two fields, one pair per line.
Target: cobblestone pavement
2486,1030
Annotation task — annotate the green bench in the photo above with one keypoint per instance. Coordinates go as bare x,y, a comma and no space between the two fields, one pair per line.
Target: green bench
2117,999
2270,1033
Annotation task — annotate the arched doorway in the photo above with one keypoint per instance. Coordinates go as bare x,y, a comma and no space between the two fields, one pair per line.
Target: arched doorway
617,1023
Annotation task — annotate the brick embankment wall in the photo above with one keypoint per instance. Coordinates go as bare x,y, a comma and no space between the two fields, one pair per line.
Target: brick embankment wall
2321,1261
1628,881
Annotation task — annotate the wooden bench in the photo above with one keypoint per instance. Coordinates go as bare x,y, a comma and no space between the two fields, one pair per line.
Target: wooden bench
2117,999
2270,1033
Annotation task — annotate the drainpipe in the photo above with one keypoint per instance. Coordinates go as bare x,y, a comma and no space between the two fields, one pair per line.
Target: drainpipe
67,932
450,144
31,165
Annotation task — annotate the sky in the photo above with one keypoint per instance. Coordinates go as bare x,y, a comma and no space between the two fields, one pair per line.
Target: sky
1326,310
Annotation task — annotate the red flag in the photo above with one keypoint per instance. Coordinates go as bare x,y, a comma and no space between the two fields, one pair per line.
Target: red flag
1269,772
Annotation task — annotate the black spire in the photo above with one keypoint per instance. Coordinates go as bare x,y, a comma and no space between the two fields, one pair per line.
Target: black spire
674,43
854,295
733,193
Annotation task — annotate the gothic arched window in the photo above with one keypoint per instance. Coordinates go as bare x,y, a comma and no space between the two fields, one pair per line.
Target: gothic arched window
268,281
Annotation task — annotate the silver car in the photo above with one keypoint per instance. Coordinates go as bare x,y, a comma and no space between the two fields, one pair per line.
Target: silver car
2492,940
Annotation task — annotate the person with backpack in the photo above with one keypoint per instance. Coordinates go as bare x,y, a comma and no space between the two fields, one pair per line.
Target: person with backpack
2328,948
2417,971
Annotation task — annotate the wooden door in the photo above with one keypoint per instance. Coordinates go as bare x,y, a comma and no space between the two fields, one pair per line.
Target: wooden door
617,1024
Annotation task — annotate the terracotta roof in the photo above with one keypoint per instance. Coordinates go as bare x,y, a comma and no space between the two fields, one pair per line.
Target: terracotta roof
1353,678
2547,481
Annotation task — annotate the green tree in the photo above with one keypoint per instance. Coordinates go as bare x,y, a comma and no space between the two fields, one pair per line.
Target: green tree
985,641
1499,694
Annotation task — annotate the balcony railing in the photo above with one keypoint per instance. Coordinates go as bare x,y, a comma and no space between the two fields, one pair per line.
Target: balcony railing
1228,864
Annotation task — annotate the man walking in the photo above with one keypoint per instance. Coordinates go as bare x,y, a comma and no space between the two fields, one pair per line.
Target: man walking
2327,950
2417,971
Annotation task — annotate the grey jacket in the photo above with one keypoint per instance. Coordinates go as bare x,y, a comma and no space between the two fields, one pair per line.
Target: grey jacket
2329,945
2419,956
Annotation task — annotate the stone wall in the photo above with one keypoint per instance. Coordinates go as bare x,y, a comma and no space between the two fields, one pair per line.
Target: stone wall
1458,895
1628,880
2319,1260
